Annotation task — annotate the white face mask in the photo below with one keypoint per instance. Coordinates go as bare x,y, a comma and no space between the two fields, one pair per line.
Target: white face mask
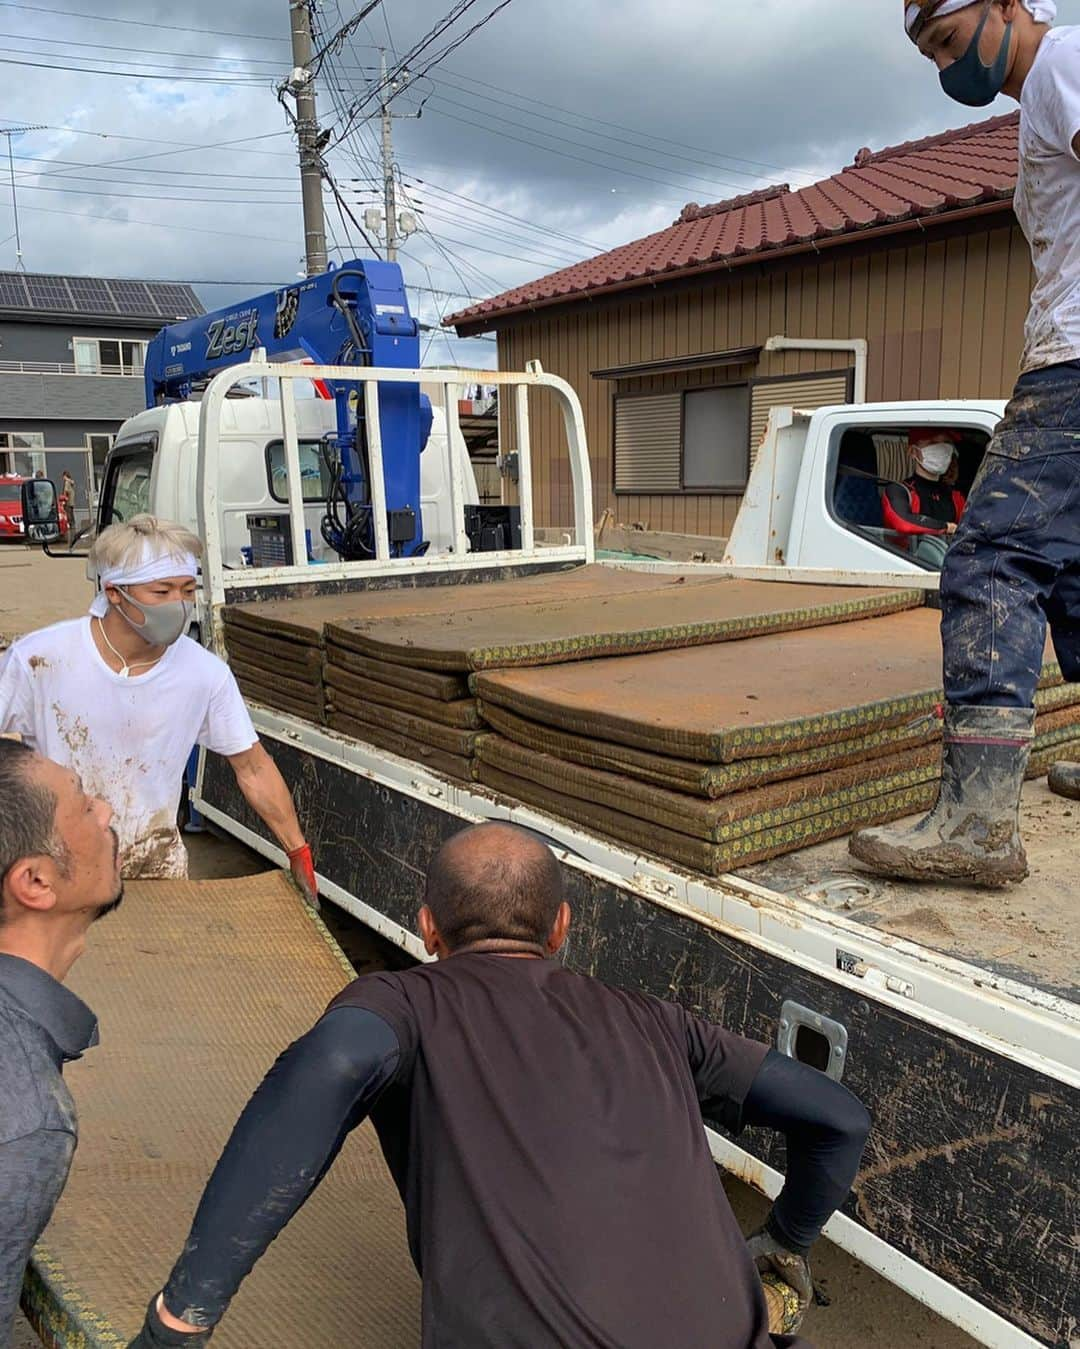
935,458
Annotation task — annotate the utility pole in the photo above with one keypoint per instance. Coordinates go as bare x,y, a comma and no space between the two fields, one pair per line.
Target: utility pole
10,131
302,86
389,199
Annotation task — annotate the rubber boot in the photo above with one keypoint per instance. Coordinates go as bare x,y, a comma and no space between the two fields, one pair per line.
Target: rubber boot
973,833
1064,778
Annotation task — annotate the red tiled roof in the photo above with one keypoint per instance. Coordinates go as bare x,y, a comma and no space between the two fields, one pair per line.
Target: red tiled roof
950,172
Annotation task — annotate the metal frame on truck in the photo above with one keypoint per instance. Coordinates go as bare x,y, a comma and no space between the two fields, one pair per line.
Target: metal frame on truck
967,1197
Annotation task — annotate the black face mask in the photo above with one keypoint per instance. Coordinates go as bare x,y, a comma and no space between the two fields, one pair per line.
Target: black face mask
970,82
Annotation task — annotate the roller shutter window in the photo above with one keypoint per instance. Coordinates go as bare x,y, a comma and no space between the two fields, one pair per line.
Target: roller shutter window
801,391
648,431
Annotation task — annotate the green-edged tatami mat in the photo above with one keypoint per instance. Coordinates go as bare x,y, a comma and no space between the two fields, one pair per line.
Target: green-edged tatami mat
263,692
431,733
884,797
763,809
343,686
672,613
306,620
716,780
308,690
428,683
761,697
699,779
428,756
910,794
259,649
198,986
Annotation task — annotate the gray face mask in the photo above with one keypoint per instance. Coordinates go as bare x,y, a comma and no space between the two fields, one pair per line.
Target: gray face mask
162,624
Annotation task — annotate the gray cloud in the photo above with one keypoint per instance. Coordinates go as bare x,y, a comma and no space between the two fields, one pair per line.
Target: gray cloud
592,122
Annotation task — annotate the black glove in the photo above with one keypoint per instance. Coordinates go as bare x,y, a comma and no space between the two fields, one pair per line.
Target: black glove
155,1334
768,1252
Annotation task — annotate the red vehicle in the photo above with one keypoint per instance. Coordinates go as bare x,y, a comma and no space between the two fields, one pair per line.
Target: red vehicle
11,520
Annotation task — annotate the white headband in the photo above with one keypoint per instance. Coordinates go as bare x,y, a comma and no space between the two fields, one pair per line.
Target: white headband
1042,11
151,566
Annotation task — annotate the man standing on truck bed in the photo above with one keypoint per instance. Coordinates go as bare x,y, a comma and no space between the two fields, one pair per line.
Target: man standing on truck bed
1015,558
123,694
545,1133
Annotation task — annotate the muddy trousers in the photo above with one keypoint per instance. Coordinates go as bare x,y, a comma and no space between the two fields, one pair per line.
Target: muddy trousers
1014,565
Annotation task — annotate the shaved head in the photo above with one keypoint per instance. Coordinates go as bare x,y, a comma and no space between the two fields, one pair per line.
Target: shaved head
494,882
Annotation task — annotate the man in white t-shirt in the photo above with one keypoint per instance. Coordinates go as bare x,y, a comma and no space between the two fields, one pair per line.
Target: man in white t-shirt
122,695
1014,564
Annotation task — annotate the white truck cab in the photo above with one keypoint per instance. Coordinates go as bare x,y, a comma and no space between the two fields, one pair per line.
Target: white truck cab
814,498
152,468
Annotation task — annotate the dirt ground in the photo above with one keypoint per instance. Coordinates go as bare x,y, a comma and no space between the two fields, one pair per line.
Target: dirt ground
36,590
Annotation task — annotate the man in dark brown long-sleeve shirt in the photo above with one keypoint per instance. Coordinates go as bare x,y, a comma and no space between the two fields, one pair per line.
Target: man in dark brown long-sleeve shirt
545,1132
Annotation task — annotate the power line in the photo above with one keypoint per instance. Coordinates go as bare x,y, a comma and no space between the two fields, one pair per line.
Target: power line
139,51
602,135
565,140
375,91
186,145
138,23
498,211
173,173
156,196
157,224
562,154
129,74
619,126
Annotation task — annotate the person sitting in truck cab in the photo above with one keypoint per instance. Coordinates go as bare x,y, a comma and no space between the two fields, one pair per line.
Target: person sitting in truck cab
925,508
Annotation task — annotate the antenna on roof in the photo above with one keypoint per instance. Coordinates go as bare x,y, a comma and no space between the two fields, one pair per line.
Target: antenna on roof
10,131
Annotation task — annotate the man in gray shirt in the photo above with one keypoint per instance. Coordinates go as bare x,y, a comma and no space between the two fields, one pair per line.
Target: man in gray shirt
59,871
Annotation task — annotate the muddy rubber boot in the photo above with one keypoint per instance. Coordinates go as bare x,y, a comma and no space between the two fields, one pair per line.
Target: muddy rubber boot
973,833
1064,778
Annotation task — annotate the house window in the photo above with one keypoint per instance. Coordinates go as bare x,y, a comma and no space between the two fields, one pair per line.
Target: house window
106,356
22,453
693,440
99,443
715,438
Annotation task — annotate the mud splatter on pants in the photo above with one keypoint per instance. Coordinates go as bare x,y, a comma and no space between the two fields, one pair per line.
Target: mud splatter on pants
1014,565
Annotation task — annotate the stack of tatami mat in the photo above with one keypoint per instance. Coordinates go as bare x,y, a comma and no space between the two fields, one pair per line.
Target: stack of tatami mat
275,651
391,666
714,722
396,675
723,755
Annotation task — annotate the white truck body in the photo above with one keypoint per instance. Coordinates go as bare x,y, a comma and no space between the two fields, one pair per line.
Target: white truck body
803,932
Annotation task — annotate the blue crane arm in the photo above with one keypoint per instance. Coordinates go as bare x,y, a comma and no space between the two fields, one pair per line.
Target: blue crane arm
356,314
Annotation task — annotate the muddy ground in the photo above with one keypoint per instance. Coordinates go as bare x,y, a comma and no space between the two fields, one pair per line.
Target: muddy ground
864,1309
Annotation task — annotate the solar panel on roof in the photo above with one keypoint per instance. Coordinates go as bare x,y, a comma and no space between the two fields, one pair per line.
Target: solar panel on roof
91,295
173,300
132,297
12,291
48,292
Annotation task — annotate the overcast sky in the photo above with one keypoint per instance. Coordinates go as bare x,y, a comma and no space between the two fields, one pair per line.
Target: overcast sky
560,128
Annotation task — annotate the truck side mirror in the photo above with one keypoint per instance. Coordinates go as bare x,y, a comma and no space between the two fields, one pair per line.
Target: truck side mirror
40,508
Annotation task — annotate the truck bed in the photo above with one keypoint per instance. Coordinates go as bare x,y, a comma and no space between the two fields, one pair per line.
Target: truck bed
1027,932
198,986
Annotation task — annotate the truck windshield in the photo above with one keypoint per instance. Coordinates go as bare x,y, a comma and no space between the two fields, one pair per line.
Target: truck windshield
127,487
10,491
